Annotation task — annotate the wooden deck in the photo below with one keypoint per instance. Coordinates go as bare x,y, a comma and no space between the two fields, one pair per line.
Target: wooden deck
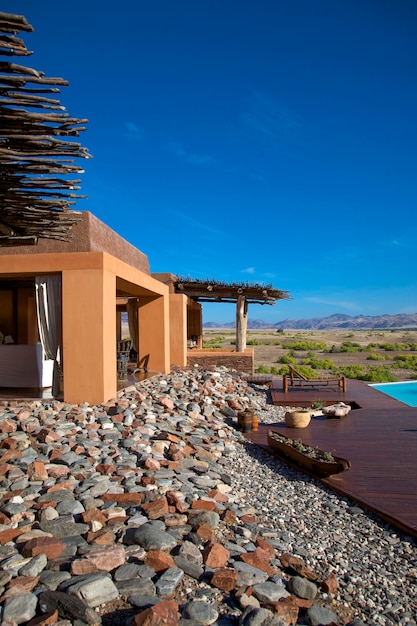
379,438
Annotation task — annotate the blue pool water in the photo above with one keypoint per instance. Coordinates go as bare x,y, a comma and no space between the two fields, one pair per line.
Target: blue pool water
404,392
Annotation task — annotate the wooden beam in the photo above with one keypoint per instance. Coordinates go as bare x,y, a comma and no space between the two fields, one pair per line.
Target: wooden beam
241,323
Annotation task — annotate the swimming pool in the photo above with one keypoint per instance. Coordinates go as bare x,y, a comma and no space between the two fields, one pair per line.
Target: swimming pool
404,392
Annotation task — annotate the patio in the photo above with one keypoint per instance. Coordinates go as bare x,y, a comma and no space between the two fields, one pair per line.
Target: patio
379,437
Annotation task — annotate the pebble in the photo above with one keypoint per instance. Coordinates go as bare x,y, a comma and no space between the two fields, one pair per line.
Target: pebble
155,504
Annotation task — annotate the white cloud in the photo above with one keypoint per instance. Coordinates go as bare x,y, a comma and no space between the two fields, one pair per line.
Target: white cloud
248,270
195,159
134,132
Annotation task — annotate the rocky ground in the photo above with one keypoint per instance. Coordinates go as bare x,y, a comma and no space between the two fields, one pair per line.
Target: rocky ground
153,509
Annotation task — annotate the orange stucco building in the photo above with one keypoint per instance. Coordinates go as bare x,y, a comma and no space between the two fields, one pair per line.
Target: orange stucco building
98,271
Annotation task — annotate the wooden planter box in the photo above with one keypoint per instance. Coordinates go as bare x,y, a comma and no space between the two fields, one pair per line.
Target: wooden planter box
316,466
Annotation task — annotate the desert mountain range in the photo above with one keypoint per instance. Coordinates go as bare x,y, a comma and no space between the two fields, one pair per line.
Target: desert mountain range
337,320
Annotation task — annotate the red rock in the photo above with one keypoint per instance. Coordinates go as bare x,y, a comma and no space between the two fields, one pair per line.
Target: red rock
102,537
229,517
44,620
20,585
10,535
51,546
55,454
156,509
122,498
225,578
100,560
330,584
67,485
206,505
286,609
4,468
37,471
56,471
175,500
175,519
8,426
251,519
159,560
206,532
93,515
266,547
215,555
163,614
217,495
105,468
8,443
251,558
4,519
152,464
297,564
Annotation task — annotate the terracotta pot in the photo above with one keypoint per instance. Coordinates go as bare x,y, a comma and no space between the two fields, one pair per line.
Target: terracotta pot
297,419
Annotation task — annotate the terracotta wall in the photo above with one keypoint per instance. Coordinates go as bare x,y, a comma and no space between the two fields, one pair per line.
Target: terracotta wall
241,361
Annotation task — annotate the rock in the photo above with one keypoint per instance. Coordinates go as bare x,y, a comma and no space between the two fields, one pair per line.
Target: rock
152,536
94,590
99,560
215,555
162,614
169,581
269,591
321,616
259,617
248,575
19,609
68,607
159,561
201,612
302,588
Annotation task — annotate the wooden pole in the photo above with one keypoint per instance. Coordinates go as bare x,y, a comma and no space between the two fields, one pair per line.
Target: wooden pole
241,323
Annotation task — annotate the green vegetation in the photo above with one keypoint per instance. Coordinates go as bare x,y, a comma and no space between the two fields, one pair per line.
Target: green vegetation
375,356
264,369
347,346
378,374
254,342
305,345
319,364
406,361
286,359
213,343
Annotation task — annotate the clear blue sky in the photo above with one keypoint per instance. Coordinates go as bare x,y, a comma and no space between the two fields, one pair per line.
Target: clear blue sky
268,141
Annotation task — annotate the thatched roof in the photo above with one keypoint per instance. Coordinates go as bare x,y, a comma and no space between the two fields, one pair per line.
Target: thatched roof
210,290
37,151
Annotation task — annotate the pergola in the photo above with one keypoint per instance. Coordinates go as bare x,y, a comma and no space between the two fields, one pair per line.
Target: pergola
242,294
36,148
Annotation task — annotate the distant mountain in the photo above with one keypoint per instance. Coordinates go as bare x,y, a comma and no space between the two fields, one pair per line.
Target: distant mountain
337,320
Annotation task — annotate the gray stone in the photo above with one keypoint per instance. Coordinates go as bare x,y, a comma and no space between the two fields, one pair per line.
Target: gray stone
68,607
72,507
195,570
169,581
201,612
143,601
136,586
191,552
19,609
94,590
259,617
35,566
269,591
151,537
320,616
302,588
249,575
126,571
52,580
195,519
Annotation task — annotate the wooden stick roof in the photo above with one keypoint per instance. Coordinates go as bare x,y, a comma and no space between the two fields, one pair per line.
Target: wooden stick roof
37,149
217,291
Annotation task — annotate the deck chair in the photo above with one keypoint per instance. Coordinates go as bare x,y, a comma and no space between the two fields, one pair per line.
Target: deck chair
295,378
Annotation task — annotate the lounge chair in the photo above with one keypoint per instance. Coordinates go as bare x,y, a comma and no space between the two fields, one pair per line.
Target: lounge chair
295,378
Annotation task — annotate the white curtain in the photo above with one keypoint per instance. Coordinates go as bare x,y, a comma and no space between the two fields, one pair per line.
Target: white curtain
133,322
49,314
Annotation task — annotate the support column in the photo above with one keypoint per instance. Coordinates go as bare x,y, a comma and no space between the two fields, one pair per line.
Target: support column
241,323
89,335
154,334
178,329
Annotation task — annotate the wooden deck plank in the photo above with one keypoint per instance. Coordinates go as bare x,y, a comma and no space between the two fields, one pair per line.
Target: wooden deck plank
379,438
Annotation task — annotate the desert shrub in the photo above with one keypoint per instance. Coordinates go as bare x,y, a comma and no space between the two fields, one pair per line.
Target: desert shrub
406,361
375,356
262,369
378,374
213,343
319,364
393,347
254,342
305,345
286,359
346,346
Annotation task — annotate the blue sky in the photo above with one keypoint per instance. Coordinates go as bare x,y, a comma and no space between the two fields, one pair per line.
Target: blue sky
264,141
